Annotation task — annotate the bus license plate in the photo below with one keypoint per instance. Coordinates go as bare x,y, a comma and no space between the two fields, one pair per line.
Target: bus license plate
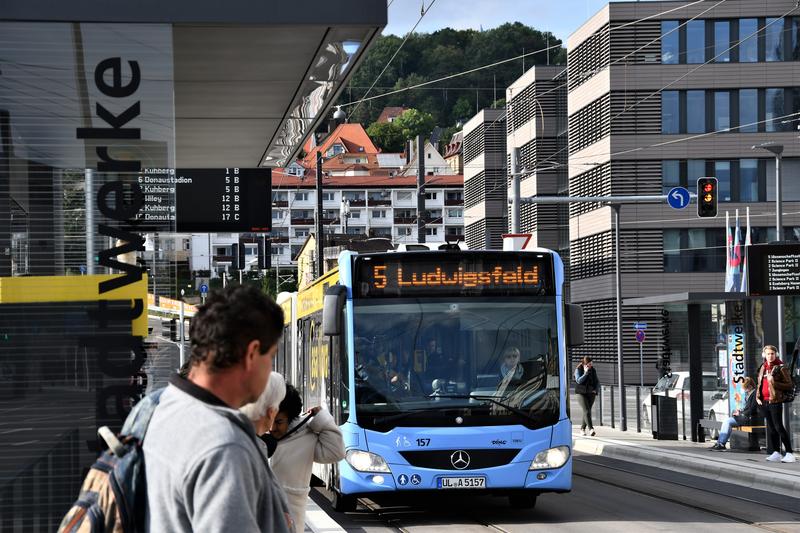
462,482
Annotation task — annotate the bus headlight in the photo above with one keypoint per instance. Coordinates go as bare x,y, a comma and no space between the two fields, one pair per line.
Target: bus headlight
366,461
552,458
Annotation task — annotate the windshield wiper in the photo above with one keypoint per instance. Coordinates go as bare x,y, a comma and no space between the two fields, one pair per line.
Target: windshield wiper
399,416
492,399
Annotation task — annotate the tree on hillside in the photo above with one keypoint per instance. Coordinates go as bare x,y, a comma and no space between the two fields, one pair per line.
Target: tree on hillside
414,122
430,56
387,136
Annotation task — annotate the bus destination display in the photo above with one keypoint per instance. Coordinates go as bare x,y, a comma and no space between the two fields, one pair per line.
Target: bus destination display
773,269
453,273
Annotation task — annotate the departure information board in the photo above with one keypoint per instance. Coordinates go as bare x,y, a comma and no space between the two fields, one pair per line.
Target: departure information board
773,269
206,200
453,273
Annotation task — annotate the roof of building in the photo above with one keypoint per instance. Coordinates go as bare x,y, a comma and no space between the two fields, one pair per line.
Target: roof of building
390,113
281,180
453,148
352,136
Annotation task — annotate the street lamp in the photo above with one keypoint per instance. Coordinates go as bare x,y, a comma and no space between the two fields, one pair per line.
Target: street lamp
777,150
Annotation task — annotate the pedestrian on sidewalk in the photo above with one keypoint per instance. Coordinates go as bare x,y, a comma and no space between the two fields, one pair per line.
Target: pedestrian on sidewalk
773,382
203,464
745,417
586,389
262,414
302,442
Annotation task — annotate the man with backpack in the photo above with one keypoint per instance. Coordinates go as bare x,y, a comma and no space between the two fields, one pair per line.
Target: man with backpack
203,466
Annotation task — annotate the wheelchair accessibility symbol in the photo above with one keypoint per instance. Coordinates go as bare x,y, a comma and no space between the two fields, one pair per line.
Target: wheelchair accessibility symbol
416,479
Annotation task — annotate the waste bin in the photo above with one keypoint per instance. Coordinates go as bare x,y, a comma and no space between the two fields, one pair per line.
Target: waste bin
664,414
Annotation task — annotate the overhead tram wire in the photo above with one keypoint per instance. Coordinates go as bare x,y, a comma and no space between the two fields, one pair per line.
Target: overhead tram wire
405,39
504,61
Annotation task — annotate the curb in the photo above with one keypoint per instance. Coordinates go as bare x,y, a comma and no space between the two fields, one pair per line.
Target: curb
318,521
738,474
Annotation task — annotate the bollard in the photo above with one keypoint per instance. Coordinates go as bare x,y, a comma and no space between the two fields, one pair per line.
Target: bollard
600,404
612,406
638,410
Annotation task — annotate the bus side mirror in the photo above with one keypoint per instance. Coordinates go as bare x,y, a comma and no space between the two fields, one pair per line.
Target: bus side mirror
332,306
574,316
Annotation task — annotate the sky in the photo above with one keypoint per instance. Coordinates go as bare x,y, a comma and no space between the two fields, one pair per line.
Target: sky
560,17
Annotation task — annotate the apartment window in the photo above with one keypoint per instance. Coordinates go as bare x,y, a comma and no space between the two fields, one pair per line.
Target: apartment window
748,110
670,42
403,232
695,168
774,109
379,213
300,232
278,215
695,111
353,196
722,41
454,195
381,232
748,180
328,196
794,30
670,112
222,251
301,213
431,195
455,213
355,214
281,196
356,231
431,231
773,39
696,41
295,249
454,230
722,110
301,197
722,171
405,196
748,40
670,175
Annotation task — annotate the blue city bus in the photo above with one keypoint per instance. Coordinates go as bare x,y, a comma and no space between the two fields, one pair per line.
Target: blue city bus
446,370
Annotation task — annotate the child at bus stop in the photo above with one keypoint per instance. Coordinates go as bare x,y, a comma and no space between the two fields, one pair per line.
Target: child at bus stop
740,418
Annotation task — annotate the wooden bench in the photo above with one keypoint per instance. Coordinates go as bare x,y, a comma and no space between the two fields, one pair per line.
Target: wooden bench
749,429
753,431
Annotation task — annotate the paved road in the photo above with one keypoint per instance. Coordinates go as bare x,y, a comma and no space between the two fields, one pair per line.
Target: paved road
607,495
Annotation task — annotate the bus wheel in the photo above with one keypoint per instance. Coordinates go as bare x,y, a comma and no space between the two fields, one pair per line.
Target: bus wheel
343,503
522,501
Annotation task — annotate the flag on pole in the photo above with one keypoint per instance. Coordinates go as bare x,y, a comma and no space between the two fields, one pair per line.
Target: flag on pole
744,255
736,257
728,249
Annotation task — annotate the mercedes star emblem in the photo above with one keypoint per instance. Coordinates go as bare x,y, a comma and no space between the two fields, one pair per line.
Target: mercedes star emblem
459,459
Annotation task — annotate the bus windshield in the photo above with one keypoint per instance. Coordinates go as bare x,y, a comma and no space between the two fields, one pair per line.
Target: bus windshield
483,361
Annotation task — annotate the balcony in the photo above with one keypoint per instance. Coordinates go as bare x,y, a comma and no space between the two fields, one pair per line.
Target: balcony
405,220
222,258
357,203
279,238
302,222
328,221
454,202
280,203
377,202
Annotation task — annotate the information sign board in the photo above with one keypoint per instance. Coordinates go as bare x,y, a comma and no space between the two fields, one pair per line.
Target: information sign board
773,269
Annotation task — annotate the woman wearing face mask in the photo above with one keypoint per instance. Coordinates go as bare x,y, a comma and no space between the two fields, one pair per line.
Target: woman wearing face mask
302,441
773,382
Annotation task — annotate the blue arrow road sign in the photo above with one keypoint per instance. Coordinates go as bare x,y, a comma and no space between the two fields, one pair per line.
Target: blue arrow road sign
640,325
678,197
203,288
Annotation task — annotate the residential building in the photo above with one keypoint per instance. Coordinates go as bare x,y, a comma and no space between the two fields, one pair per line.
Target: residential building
435,164
452,153
389,114
659,94
485,187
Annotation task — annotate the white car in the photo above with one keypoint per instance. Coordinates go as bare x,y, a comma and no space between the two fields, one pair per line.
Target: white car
677,386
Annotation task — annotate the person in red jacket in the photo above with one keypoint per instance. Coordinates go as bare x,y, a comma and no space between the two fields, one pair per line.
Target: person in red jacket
773,381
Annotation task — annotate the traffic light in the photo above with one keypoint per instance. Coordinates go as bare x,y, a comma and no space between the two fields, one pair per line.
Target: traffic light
707,193
239,255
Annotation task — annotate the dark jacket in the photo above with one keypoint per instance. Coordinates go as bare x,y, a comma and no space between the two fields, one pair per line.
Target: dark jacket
749,415
781,382
586,382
